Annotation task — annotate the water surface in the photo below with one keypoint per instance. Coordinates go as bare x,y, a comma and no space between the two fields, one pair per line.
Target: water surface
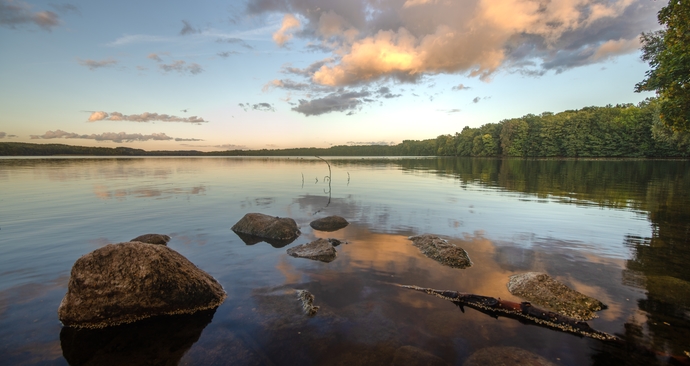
615,230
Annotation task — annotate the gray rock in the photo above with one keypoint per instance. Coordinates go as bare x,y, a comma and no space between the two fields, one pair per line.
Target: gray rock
330,223
442,251
265,226
541,289
125,282
506,356
413,356
320,250
159,239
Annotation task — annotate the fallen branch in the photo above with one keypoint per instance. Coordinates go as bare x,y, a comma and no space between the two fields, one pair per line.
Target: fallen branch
525,312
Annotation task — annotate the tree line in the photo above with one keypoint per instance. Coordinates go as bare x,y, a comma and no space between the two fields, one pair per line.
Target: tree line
623,130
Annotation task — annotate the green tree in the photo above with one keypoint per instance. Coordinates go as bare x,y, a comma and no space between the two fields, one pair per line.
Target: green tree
668,53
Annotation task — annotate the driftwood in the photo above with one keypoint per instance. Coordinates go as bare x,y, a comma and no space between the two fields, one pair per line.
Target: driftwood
525,312
522,311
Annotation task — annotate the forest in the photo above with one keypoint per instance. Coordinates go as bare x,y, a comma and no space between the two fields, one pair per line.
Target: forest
624,130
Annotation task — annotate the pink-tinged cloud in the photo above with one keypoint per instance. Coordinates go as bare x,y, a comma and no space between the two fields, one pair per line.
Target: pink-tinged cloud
144,117
406,40
106,136
284,34
14,13
93,64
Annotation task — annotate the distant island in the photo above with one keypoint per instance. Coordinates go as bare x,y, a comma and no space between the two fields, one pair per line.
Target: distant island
623,130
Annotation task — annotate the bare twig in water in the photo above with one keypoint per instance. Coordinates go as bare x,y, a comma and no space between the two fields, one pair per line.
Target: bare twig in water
348,178
302,180
326,178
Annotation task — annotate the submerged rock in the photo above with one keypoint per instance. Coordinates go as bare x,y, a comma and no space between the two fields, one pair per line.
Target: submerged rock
541,289
442,251
319,250
159,239
126,282
506,356
330,223
307,300
268,227
413,356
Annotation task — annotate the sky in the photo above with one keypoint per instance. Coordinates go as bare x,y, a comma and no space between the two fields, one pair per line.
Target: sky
272,74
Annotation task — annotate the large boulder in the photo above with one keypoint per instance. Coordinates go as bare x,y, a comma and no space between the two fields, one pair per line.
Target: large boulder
126,282
320,250
541,289
268,227
442,251
159,239
330,223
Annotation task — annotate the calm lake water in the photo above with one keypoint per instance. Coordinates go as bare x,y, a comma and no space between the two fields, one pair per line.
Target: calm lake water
615,230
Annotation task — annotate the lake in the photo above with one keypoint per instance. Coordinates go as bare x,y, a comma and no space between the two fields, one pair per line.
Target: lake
616,230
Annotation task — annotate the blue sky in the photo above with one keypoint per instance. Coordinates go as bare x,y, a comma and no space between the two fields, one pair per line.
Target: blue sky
217,75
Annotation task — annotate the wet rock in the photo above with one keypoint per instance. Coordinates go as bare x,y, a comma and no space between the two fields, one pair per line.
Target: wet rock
506,356
330,223
268,227
319,250
126,282
161,340
442,251
159,239
307,300
413,356
541,289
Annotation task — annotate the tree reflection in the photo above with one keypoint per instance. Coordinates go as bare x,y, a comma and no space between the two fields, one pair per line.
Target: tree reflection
658,264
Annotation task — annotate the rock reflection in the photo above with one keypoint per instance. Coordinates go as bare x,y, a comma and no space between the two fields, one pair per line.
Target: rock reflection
161,340
252,239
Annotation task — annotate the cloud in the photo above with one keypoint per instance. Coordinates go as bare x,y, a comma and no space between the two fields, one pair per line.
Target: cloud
285,84
2,135
385,92
227,54
107,136
93,64
154,57
407,40
341,101
66,8
144,117
233,40
181,67
187,29
181,139
460,87
14,13
368,143
263,107
284,34
224,146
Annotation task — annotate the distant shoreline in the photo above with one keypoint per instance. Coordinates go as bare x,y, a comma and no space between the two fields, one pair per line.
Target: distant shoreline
21,149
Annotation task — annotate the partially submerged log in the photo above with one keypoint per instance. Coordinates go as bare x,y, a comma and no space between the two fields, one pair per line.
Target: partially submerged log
522,311
526,313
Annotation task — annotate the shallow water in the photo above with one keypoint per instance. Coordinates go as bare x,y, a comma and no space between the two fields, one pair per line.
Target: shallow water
615,230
